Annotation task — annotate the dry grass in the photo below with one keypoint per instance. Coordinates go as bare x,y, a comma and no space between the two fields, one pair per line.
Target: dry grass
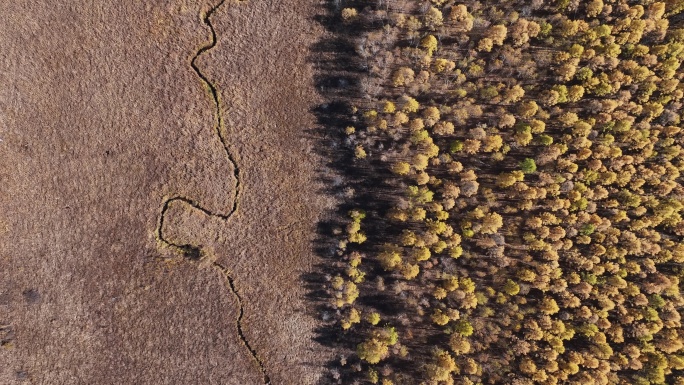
102,117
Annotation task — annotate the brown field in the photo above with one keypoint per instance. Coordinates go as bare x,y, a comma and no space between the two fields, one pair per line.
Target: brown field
102,120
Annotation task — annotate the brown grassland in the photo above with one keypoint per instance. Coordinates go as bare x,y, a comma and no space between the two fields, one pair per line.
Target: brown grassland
104,120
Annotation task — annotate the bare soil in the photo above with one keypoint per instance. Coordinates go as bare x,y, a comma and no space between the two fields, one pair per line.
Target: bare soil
102,120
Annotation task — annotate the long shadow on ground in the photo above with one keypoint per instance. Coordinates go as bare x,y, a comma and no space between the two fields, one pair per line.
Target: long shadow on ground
356,185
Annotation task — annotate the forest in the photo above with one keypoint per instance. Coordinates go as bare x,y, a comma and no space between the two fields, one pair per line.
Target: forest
519,215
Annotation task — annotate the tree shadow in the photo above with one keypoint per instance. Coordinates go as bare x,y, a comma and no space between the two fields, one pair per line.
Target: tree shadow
339,74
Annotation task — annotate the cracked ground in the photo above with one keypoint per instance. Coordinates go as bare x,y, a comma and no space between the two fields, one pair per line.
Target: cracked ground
102,120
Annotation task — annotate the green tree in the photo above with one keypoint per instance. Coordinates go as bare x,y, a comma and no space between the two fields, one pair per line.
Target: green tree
528,166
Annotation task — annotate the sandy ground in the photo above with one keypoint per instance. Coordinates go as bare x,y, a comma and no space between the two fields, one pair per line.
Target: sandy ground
101,118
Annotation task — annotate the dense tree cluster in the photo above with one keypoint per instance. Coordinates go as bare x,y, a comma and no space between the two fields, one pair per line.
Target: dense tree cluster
535,149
